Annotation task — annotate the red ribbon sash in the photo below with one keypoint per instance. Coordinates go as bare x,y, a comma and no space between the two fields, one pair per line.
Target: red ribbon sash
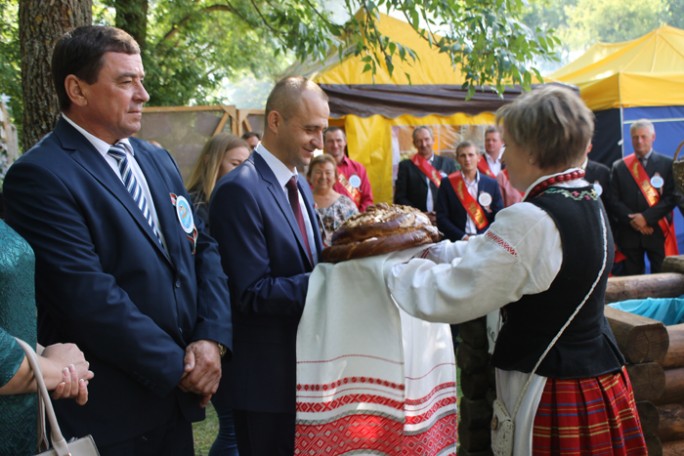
652,196
354,193
426,168
471,206
483,167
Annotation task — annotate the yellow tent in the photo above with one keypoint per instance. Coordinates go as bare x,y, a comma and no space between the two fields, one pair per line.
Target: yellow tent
378,112
647,71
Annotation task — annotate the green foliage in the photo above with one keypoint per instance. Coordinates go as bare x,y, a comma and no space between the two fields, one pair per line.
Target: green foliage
485,38
192,46
10,60
612,21
675,13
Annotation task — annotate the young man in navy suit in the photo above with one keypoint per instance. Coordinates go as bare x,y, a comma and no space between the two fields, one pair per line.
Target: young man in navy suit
123,268
263,218
467,200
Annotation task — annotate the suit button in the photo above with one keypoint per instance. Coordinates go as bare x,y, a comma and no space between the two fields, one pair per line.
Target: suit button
178,283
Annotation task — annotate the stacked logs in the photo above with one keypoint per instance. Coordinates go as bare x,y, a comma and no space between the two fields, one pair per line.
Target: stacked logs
655,356
477,386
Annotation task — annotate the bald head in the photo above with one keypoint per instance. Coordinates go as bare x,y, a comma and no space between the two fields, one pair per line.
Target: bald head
286,96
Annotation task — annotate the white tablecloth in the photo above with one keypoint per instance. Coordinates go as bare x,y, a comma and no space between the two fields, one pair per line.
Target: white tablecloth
371,379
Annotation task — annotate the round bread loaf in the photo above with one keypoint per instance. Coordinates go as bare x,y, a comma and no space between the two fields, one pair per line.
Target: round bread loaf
383,228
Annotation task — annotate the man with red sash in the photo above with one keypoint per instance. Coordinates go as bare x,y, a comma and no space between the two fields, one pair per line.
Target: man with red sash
643,196
491,164
352,179
420,176
467,200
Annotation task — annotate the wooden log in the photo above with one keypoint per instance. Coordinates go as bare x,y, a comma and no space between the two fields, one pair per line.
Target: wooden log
640,339
471,360
649,416
660,285
674,264
474,332
671,425
475,385
648,381
674,357
475,414
674,386
674,448
474,439
653,444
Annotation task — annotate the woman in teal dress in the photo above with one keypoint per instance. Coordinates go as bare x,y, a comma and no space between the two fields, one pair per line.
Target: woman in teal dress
64,368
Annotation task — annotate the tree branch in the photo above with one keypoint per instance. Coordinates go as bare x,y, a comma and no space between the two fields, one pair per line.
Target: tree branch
175,28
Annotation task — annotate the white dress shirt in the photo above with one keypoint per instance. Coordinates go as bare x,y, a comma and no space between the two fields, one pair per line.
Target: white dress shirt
283,175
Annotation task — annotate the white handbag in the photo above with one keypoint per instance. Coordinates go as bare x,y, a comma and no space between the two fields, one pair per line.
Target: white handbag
503,423
84,446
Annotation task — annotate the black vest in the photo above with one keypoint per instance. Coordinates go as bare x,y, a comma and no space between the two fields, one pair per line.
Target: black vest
587,348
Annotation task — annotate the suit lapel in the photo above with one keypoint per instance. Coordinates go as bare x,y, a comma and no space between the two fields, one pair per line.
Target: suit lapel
86,156
282,201
161,196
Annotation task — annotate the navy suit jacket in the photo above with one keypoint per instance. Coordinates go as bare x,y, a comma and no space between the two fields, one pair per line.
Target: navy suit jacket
411,185
452,216
598,172
627,199
104,282
263,252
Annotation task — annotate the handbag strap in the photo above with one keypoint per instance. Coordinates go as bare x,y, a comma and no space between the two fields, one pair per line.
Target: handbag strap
572,317
59,444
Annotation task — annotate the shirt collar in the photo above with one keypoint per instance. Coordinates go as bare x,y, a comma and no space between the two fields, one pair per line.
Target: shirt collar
491,160
281,172
648,155
101,146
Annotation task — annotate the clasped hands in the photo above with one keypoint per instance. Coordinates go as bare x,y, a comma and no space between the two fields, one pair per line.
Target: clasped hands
639,223
202,370
75,376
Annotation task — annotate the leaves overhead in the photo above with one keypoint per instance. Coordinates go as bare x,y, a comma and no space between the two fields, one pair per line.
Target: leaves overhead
193,44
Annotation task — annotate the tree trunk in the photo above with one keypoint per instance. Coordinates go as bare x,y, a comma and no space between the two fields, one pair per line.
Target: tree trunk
41,23
131,16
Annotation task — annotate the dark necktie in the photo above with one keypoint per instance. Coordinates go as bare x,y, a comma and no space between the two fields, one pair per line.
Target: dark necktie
293,196
118,151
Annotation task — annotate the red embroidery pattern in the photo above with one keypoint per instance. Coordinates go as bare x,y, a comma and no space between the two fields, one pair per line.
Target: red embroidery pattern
372,416
503,244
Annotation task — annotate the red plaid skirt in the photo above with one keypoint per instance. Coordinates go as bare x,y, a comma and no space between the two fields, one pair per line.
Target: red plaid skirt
591,416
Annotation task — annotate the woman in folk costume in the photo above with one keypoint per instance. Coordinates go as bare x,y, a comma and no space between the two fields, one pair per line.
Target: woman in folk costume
559,371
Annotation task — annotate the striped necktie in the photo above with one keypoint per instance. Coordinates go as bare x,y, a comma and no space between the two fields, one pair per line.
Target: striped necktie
118,151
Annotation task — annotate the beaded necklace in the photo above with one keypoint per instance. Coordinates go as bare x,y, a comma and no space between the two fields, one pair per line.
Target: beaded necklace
543,185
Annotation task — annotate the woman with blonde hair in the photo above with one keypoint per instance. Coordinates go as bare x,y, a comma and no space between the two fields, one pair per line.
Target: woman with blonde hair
220,155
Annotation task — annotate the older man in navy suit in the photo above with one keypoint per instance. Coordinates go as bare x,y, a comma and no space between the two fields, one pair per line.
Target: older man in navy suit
123,268
419,177
263,218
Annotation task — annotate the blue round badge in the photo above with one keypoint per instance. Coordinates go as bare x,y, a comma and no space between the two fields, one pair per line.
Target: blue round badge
184,213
